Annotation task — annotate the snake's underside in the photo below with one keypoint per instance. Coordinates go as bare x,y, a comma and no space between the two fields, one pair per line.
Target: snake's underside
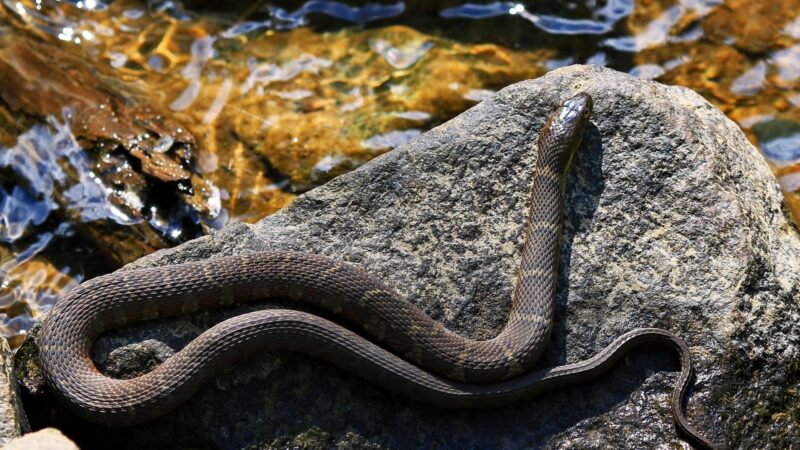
417,356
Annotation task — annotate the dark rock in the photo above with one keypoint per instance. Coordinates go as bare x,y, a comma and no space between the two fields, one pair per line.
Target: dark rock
134,359
673,220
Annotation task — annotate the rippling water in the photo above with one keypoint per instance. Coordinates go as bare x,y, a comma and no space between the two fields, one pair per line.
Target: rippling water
131,126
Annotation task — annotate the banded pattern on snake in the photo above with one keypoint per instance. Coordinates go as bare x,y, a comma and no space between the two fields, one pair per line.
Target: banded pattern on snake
427,362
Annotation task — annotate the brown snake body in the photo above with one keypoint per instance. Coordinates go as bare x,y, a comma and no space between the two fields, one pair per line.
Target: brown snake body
428,362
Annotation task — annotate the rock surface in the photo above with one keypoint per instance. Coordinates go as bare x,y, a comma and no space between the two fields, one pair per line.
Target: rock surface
673,220
46,439
12,416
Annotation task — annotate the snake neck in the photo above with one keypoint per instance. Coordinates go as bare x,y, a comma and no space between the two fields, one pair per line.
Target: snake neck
533,303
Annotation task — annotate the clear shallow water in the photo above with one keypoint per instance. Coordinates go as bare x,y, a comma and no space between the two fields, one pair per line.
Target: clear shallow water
267,101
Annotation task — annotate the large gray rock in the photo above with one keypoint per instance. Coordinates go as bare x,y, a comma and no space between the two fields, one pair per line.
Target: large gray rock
12,416
673,220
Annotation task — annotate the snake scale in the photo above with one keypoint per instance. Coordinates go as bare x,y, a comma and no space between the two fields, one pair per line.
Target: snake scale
427,362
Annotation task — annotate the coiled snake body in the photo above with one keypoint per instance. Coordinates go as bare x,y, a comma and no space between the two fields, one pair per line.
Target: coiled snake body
428,362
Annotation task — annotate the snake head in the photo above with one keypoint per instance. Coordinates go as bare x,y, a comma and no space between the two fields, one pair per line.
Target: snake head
561,135
575,111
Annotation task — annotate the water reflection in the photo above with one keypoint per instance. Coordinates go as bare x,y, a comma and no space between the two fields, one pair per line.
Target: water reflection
390,140
780,141
656,33
262,74
401,58
604,21
787,63
18,211
363,14
752,81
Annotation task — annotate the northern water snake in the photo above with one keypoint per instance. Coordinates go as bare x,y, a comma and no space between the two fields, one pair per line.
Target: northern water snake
434,364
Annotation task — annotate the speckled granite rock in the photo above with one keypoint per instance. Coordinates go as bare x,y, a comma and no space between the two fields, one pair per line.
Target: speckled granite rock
46,439
12,417
673,220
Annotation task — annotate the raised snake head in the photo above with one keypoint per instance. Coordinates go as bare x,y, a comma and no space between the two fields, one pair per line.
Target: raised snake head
561,135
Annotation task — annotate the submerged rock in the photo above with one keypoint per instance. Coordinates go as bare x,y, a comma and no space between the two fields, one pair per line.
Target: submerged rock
673,220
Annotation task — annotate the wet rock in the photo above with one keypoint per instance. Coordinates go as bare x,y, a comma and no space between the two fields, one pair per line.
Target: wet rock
673,220
46,439
12,418
122,170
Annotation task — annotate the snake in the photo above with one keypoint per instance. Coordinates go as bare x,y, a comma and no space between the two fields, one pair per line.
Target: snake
404,350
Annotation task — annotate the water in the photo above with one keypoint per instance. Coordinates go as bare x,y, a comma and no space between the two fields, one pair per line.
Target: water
131,126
